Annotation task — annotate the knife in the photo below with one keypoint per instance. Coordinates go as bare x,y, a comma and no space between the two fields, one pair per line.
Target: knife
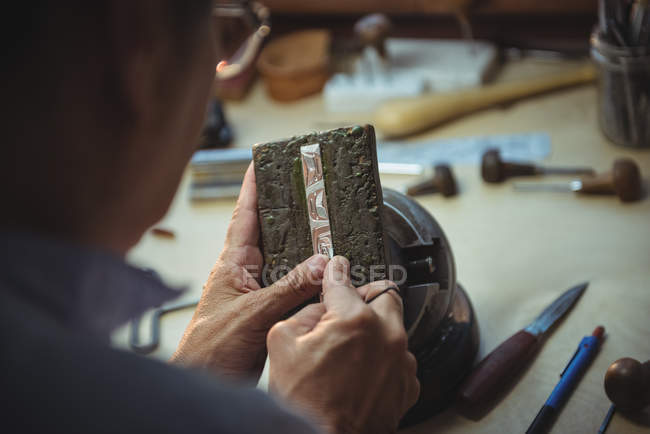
496,372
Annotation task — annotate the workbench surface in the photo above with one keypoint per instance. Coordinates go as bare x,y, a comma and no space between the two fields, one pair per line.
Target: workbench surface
515,252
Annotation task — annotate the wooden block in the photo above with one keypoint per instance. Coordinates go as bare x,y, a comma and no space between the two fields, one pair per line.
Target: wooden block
354,201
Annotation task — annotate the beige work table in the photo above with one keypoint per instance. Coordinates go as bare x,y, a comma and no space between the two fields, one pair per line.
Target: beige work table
515,252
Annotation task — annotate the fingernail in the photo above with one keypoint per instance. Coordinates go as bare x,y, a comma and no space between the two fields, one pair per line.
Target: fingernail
340,266
317,264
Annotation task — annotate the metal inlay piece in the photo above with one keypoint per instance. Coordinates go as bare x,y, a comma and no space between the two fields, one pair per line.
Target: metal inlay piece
319,223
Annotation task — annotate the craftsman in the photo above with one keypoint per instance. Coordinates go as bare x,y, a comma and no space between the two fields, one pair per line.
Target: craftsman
103,103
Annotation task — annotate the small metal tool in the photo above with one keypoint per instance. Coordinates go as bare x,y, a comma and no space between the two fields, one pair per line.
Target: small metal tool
607,419
154,341
495,170
624,180
442,181
496,372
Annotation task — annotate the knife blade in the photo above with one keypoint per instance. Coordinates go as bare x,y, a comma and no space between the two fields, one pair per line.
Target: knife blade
497,372
556,310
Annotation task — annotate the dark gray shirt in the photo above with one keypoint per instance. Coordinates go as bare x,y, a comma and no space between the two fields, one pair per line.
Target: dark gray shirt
58,305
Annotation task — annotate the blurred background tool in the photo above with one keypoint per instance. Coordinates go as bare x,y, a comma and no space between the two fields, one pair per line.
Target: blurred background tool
624,180
372,31
442,181
161,232
217,173
154,337
216,133
411,115
390,68
244,26
620,48
578,364
627,385
494,169
465,150
494,375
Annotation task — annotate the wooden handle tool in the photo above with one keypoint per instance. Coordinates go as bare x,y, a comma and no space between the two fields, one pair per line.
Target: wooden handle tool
410,115
624,180
442,181
627,384
497,372
495,170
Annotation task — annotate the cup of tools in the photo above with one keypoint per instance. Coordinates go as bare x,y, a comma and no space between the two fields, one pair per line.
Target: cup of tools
623,90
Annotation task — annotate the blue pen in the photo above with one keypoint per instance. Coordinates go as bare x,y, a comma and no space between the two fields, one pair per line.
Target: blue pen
568,379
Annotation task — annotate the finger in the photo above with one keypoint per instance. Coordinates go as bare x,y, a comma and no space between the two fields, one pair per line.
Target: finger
411,364
284,332
388,305
371,289
338,293
413,383
243,230
306,318
298,286
413,393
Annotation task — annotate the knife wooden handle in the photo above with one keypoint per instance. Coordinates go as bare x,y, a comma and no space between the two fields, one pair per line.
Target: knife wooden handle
495,373
401,117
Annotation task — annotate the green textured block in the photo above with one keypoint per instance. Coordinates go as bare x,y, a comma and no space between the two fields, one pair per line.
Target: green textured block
354,200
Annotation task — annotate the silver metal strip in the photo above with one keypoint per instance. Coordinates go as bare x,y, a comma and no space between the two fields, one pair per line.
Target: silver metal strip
319,223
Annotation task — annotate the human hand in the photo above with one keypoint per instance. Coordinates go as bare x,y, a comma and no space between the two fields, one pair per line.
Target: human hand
343,362
227,333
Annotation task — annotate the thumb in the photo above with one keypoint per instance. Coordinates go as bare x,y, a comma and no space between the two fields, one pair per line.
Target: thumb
298,286
338,292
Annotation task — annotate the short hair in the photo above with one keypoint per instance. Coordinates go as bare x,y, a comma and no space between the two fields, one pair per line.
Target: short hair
26,24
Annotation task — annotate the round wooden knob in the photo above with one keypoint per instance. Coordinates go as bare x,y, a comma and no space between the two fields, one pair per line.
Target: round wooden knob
372,30
627,384
627,180
494,170
491,170
444,180
624,180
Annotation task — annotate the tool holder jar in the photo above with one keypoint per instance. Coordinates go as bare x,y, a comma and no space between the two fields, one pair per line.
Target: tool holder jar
623,91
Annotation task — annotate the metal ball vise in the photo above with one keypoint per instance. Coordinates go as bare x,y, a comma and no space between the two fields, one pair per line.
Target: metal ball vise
438,316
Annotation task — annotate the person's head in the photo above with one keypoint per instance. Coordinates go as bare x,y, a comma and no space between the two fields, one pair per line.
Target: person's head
103,104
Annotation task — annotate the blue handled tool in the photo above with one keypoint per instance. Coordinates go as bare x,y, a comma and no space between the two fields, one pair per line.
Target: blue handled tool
568,379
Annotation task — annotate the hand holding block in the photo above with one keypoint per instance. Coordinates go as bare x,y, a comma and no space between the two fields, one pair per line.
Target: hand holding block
353,200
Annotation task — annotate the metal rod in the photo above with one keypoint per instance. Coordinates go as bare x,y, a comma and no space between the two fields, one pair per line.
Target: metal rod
573,186
538,186
608,418
566,171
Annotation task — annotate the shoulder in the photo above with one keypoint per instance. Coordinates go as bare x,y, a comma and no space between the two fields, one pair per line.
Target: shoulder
57,381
